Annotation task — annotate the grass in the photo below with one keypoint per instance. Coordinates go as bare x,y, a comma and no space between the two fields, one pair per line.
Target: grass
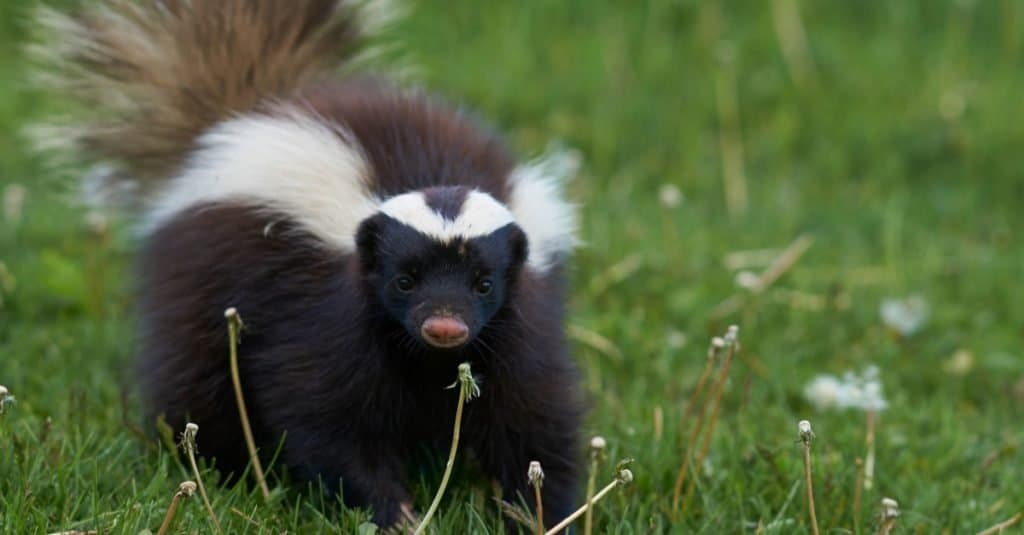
900,157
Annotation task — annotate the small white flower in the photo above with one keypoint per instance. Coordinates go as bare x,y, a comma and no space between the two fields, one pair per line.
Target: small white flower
717,342
863,392
598,443
670,196
824,392
625,476
905,316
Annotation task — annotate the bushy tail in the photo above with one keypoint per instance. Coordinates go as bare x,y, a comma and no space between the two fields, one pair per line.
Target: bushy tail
149,76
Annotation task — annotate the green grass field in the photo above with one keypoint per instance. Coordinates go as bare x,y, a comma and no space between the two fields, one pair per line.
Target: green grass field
893,139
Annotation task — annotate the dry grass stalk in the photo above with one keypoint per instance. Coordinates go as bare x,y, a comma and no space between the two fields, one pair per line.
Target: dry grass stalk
730,138
691,406
234,329
536,477
188,443
468,389
623,477
805,436
732,346
1005,524
185,490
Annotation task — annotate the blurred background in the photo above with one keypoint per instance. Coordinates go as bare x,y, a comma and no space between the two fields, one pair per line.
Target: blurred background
843,180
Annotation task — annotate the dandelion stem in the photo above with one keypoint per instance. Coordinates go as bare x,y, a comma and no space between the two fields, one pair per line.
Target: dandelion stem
805,437
234,327
732,342
691,405
624,477
597,445
540,509
467,390
186,489
189,443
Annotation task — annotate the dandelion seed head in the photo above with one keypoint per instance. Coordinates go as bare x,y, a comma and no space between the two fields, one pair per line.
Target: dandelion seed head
192,429
535,473
230,313
717,342
890,509
804,427
625,476
732,335
187,488
598,443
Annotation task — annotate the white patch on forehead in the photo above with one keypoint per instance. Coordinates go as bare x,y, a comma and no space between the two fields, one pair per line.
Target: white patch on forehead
479,215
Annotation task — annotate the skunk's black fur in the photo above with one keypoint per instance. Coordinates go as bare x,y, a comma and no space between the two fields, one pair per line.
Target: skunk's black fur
334,359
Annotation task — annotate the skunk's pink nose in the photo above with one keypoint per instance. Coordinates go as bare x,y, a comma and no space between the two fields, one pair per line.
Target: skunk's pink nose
444,331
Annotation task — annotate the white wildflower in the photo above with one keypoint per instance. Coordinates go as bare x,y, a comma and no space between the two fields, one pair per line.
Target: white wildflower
905,316
824,392
862,392
670,196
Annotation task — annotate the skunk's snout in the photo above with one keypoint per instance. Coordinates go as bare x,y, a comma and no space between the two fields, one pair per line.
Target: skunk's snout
444,331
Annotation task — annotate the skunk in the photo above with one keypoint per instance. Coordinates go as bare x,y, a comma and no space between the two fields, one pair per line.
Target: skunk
371,237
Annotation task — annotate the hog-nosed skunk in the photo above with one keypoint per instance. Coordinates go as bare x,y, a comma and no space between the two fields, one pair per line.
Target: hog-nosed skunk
372,238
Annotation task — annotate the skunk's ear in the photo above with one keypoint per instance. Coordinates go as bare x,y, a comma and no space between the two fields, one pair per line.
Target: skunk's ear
518,246
367,241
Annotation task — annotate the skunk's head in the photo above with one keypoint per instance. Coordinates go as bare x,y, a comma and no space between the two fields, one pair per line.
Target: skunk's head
441,261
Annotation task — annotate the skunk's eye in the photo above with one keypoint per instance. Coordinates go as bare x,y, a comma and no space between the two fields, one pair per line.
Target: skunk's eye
483,286
404,283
